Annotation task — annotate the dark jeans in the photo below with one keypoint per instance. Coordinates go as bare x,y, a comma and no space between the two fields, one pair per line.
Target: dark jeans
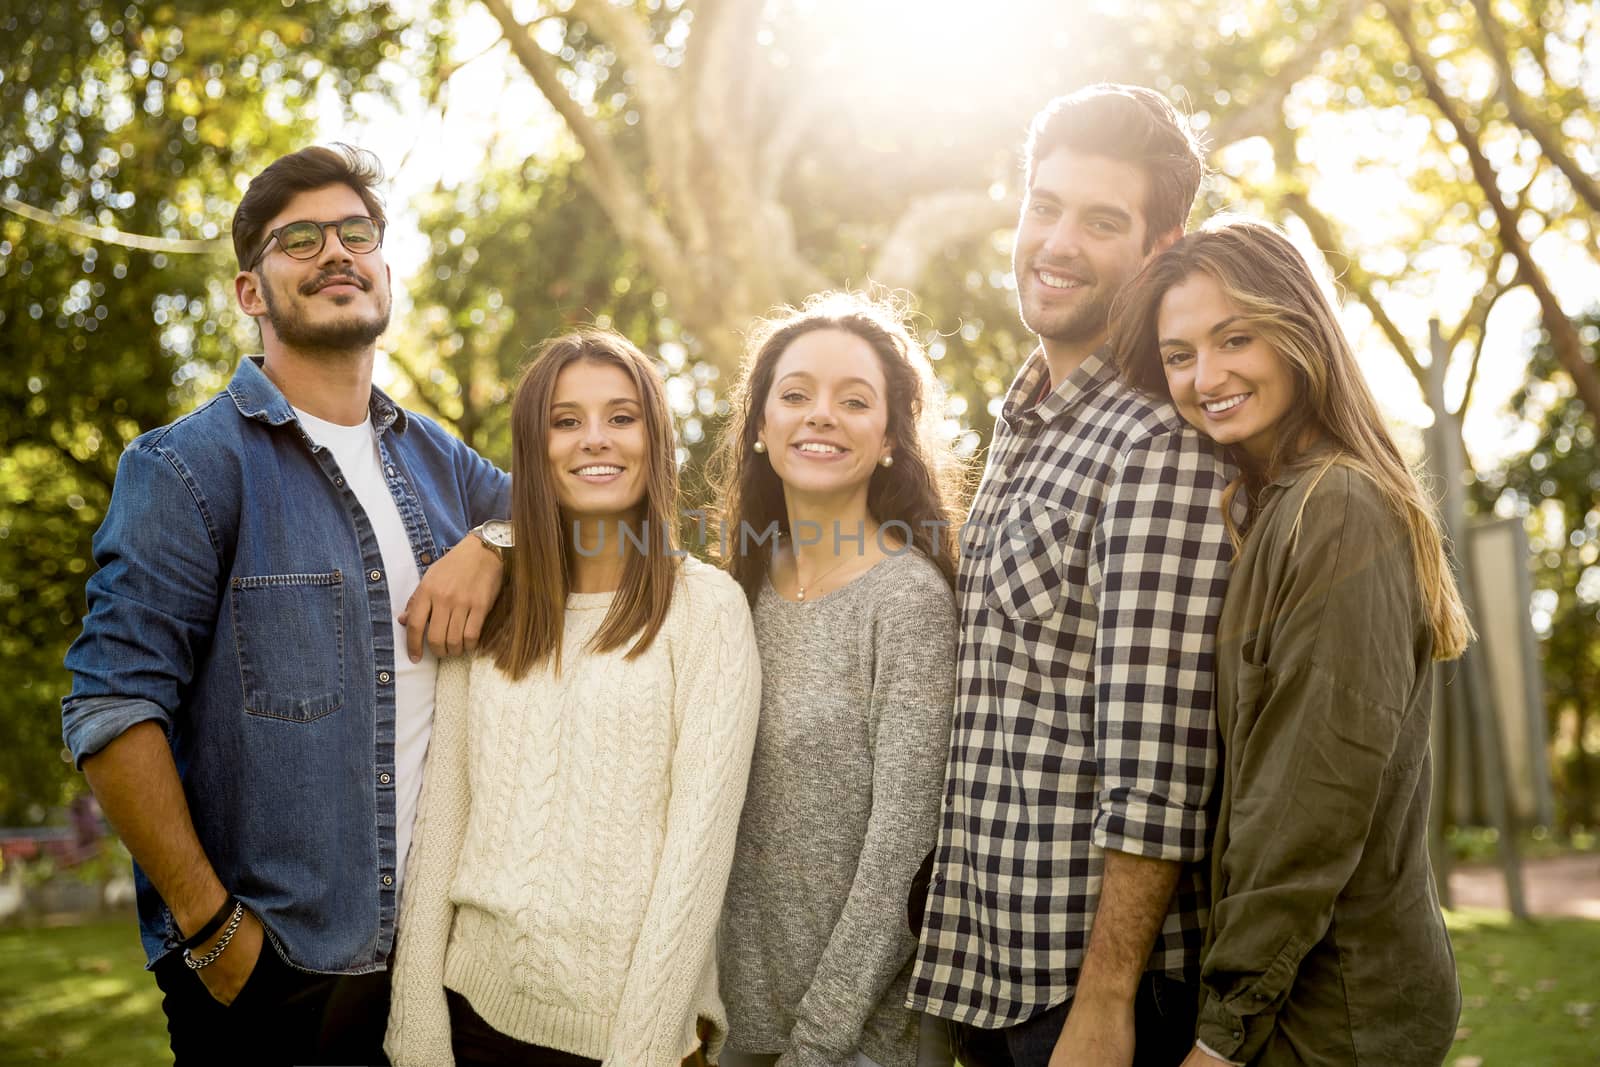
283,1017
1163,1018
477,1044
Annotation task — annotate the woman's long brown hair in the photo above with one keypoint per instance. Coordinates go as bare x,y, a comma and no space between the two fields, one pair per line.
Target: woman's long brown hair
1270,284
922,489
524,629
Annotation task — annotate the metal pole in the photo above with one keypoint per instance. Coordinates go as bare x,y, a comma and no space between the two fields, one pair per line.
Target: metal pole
1471,681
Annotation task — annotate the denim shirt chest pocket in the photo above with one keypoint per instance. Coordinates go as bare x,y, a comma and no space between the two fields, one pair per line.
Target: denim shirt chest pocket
1038,552
289,633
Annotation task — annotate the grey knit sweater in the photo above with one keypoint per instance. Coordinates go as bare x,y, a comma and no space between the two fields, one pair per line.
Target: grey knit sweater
843,803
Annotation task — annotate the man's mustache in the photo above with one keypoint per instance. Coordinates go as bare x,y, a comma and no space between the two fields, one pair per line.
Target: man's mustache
322,281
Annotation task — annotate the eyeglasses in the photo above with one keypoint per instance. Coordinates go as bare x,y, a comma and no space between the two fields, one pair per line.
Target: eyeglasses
304,239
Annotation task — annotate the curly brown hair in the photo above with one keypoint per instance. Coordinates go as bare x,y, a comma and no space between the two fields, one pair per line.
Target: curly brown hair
924,487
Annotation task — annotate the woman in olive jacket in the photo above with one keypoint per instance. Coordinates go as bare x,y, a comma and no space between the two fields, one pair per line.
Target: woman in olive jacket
1325,943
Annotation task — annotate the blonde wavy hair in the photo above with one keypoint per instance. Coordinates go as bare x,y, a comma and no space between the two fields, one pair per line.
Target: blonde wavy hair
1275,292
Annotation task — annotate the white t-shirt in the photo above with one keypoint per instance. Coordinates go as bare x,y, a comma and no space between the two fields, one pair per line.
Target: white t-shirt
355,449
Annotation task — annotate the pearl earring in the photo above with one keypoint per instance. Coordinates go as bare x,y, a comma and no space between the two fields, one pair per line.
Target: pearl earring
759,446
886,462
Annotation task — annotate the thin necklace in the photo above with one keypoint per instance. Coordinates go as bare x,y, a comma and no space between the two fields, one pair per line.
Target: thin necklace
800,591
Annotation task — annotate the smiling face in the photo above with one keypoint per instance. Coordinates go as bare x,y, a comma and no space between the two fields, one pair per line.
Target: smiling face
1225,380
1081,237
332,301
826,418
596,441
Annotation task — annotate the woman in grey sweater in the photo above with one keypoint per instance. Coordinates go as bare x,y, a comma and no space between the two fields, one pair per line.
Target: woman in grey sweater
832,446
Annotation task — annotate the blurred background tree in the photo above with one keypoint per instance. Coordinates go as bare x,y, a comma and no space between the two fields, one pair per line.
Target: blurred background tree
699,161
1555,484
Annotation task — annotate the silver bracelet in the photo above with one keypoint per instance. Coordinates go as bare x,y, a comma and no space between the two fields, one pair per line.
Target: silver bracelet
195,963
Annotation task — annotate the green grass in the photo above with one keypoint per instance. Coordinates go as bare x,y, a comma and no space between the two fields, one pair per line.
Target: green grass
80,995
1530,993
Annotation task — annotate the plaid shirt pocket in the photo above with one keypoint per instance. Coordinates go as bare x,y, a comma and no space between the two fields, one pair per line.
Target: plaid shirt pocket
1032,550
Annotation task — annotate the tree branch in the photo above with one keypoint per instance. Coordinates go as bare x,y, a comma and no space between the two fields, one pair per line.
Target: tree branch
1477,316
1476,321
721,47
783,140
110,235
1267,107
1584,184
1354,277
1564,337
604,176
931,223
668,129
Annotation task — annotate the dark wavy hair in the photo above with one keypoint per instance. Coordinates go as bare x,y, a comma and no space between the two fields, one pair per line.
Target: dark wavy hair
922,489
1133,124
300,172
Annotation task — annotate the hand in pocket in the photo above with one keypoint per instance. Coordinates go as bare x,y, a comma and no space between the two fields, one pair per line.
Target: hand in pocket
226,978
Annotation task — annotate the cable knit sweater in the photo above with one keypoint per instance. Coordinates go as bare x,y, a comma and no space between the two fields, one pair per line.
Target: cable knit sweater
575,837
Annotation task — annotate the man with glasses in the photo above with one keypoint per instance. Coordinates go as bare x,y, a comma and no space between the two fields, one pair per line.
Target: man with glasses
242,703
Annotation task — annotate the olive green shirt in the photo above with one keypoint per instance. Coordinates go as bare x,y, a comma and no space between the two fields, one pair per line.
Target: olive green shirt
1325,942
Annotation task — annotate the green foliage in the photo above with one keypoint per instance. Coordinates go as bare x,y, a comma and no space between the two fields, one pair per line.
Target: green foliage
515,258
1556,486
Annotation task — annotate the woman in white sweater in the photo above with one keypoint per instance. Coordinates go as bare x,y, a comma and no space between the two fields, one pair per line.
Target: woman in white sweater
587,766
834,442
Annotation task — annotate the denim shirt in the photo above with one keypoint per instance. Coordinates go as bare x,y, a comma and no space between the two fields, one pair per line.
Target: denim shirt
242,603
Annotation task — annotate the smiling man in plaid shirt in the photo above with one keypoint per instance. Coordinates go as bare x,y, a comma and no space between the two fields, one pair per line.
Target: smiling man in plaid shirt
1065,912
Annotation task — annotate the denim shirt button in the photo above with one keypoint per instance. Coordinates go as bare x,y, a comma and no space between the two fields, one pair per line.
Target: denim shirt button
338,480
388,879
389,471
375,575
425,559
383,779
383,676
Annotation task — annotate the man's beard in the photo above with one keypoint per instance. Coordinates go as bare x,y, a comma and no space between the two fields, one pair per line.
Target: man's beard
341,334
1082,323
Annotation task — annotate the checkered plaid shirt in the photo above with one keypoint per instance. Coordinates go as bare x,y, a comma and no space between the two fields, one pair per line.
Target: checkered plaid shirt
1094,565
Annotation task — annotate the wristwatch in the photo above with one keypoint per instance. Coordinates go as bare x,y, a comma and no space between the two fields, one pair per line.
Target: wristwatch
496,534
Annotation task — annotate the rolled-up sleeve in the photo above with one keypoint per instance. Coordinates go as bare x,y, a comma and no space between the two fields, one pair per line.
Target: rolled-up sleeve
152,604
1161,556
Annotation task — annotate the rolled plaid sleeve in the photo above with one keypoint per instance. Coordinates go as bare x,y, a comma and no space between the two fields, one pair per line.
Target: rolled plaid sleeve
1160,571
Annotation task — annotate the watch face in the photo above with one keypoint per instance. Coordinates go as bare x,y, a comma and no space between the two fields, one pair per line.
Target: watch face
498,533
